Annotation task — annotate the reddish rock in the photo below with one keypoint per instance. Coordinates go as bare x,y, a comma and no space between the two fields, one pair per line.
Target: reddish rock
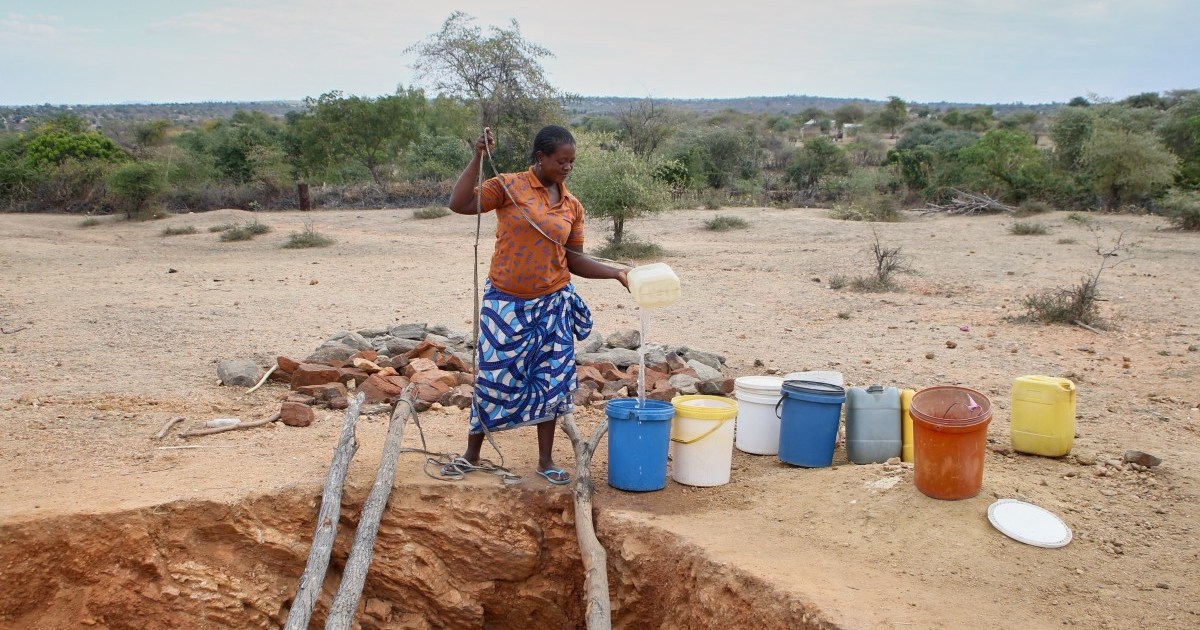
388,371
287,365
392,362
345,375
298,398
279,376
652,376
588,374
419,365
324,392
339,403
610,372
665,394
295,414
458,396
612,387
313,374
369,355
663,367
365,365
450,363
465,378
715,387
431,392
425,350
430,376
689,371
380,388
583,394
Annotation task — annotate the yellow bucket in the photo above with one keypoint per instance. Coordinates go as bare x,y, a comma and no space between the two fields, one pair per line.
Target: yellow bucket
702,439
906,431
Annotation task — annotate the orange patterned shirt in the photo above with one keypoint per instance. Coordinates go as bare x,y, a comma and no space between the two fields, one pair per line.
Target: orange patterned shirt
526,264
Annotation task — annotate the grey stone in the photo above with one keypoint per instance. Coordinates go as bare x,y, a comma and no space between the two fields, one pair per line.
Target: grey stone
628,339
466,357
239,372
703,370
707,358
594,343
654,356
592,358
438,339
460,340
352,339
371,333
408,331
400,345
379,343
710,387
685,383
1142,459
439,330
676,361
622,357
330,352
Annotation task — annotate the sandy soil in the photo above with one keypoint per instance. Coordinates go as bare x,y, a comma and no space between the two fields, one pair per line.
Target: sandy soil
103,343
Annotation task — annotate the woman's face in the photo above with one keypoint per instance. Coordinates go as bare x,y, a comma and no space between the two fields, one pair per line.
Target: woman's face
557,166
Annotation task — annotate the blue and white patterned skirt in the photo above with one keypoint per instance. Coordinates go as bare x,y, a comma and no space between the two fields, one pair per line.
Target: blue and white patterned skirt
527,357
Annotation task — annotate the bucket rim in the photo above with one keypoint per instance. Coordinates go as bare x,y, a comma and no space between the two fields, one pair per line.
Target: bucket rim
817,388
683,406
755,384
628,409
984,413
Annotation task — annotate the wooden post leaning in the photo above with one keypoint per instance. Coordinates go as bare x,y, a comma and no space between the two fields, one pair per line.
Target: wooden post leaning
313,577
345,603
598,610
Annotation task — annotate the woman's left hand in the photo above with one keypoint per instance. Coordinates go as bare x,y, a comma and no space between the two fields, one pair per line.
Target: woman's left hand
623,278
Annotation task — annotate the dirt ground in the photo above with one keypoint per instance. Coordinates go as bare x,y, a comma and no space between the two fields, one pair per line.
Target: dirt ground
113,329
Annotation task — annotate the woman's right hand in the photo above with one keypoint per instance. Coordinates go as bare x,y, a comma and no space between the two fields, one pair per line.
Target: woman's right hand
485,142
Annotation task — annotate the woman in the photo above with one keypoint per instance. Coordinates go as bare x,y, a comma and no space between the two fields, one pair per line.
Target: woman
531,315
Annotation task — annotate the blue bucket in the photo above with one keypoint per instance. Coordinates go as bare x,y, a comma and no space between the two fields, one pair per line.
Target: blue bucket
808,422
638,439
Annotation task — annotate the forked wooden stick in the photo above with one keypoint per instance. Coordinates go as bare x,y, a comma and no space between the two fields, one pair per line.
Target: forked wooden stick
595,561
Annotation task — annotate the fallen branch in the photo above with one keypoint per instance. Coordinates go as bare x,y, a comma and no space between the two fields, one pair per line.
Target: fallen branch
313,577
1086,327
967,203
354,574
162,433
9,332
263,379
232,427
598,610
173,448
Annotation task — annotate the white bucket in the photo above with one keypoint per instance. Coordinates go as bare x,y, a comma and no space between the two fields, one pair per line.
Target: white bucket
702,440
757,423
831,377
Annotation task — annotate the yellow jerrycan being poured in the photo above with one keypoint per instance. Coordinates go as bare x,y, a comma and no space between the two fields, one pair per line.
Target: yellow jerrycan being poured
1043,415
654,285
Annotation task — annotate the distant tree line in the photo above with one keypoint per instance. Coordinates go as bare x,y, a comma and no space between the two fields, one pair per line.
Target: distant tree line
407,147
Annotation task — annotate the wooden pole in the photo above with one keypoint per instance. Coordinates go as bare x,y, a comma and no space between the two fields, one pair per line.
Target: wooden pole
598,610
162,433
327,521
345,603
302,195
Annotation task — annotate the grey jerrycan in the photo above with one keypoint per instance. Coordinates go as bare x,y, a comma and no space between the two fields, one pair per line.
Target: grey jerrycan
873,424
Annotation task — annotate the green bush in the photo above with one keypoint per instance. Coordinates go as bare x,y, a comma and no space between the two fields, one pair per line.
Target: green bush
222,227
1183,209
722,223
878,208
1066,306
838,281
179,231
308,238
432,212
90,222
1080,218
1030,207
1027,229
135,184
244,232
630,248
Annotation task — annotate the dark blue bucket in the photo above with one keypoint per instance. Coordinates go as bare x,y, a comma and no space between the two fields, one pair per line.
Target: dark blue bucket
638,439
808,422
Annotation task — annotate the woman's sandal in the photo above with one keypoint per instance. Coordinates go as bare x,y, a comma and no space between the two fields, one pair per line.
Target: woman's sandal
556,476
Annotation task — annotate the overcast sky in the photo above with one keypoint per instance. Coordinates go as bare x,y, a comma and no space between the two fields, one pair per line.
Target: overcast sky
995,51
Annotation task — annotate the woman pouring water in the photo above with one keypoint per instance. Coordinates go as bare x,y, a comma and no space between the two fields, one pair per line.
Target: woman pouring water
531,316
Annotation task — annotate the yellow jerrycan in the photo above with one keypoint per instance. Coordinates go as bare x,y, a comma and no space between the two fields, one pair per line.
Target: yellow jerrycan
1043,415
906,431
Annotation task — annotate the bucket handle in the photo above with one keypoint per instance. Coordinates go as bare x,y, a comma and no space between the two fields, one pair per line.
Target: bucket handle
778,413
716,425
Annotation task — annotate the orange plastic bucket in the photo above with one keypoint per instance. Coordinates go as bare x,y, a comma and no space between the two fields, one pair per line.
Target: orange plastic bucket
949,440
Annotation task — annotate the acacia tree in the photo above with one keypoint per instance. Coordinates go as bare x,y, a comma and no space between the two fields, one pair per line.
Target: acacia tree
1124,165
370,132
645,125
893,115
614,183
500,73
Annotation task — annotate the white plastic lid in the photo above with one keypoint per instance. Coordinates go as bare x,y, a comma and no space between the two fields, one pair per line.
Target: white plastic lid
1029,523
762,385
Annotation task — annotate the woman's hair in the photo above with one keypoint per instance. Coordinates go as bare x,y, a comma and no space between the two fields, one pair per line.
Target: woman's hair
549,139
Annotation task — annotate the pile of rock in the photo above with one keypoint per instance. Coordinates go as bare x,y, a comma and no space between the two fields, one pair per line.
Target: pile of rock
381,362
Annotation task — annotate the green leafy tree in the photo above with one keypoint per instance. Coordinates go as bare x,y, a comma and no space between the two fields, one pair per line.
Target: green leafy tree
1070,131
819,159
369,132
438,157
240,148
1125,166
1180,130
893,116
135,184
848,113
500,73
67,138
1006,164
613,182
1079,101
